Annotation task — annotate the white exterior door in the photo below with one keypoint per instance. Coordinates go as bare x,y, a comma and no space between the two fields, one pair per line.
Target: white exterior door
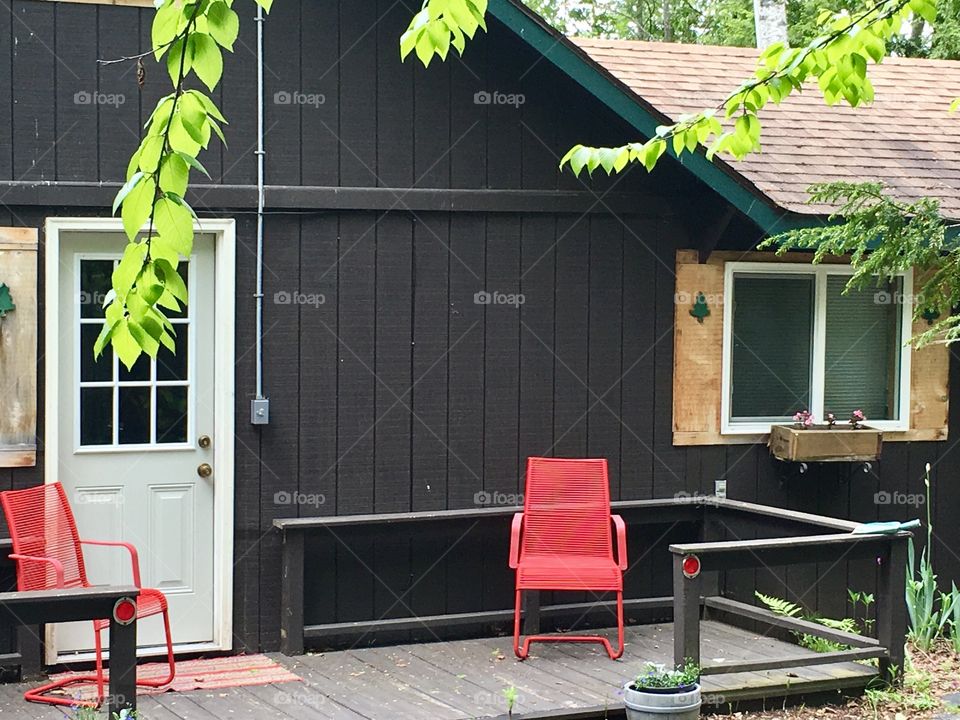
136,449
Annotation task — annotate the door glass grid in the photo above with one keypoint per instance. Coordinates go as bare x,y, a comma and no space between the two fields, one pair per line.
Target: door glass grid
146,405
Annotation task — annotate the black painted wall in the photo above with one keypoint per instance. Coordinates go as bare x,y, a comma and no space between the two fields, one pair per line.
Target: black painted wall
399,392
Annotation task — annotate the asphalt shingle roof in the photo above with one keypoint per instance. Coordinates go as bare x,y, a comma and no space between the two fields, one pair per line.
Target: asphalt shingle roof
905,138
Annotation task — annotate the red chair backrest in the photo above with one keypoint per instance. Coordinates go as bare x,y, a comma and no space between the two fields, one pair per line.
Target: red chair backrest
566,508
42,524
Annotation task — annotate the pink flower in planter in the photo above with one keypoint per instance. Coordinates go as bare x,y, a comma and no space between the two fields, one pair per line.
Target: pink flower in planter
831,420
804,418
857,417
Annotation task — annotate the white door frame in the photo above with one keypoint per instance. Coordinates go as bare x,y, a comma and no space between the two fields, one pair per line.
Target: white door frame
224,321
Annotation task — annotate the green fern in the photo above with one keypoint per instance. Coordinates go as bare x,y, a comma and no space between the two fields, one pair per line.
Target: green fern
780,606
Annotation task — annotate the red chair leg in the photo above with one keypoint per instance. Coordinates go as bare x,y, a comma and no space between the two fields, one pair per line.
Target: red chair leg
619,652
170,660
522,654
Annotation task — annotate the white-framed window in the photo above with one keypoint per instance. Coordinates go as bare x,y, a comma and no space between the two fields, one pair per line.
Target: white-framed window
794,341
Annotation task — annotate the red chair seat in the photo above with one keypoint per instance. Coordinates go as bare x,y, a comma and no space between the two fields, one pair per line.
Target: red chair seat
150,602
566,572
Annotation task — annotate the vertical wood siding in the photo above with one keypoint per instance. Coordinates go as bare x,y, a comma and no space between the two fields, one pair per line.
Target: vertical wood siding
399,391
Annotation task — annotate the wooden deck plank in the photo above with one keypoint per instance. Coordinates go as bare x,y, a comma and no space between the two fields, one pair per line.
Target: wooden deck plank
369,692
453,689
457,680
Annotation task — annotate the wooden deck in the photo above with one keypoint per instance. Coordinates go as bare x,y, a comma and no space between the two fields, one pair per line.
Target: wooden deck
466,679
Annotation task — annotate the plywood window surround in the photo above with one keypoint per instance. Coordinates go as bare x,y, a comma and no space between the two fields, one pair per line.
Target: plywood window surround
698,384
18,348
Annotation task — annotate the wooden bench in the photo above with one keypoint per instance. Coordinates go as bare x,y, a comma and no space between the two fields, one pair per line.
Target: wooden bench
51,606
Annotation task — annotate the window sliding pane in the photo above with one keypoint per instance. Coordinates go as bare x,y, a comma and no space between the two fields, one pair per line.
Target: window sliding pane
772,342
863,350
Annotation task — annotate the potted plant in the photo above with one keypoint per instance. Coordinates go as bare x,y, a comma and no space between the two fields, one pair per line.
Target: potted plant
661,694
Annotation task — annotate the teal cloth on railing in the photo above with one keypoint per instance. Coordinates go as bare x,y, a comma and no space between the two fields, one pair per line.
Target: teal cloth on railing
885,528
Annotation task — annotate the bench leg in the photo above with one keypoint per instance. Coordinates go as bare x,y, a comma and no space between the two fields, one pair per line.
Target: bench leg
123,666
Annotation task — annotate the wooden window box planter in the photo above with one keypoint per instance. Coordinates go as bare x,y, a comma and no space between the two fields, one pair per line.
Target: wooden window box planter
823,444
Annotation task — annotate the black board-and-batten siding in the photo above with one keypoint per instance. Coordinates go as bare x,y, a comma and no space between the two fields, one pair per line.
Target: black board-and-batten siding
394,389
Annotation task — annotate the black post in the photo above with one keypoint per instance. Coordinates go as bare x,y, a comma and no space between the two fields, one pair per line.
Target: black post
892,608
123,666
531,612
291,593
30,647
686,615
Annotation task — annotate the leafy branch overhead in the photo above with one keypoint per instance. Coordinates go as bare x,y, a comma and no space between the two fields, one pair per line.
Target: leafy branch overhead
883,237
838,60
440,24
192,35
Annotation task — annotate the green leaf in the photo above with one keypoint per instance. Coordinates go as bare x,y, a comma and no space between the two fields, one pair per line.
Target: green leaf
224,24
125,190
176,59
208,105
172,281
174,224
174,174
207,59
180,139
265,4
124,345
103,338
192,111
166,25
126,272
149,286
192,162
137,205
150,151
955,105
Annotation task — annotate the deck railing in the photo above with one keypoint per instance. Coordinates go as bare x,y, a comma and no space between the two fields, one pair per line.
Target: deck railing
689,605
798,538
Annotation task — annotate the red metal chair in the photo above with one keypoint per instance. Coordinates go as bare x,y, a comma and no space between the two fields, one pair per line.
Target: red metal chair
562,540
49,555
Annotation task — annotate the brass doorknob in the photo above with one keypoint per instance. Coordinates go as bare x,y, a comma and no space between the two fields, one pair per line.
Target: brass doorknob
204,441
204,470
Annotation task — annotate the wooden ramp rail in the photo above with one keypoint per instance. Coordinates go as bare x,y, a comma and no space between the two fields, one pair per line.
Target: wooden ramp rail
890,551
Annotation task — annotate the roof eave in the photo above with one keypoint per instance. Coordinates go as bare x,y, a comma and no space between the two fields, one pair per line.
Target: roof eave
644,117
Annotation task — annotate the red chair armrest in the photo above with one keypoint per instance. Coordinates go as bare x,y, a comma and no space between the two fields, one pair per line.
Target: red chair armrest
134,558
621,540
515,540
57,565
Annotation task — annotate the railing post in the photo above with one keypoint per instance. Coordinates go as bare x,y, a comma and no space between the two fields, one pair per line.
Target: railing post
291,593
892,608
686,615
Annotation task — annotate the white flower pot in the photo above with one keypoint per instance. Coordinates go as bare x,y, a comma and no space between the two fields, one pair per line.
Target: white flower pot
646,705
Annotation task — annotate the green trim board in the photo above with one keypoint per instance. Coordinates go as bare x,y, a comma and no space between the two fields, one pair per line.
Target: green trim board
732,186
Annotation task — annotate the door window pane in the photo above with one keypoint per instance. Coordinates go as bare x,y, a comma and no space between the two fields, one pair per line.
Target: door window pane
96,416
95,281
171,414
94,370
134,415
771,346
173,366
862,365
140,370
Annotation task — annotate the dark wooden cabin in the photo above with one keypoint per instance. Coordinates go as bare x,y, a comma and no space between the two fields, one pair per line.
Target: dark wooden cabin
395,197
